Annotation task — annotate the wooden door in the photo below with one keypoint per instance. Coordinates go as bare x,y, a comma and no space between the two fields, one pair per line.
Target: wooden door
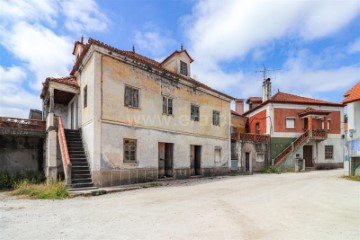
307,153
247,162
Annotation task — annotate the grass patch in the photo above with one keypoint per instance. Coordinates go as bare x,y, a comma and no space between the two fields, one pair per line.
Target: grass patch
353,178
56,190
270,169
10,181
149,185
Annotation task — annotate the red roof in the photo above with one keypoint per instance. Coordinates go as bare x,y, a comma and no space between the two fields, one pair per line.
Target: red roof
254,100
353,94
287,98
177,52
312,111
142,59
69,80
237,114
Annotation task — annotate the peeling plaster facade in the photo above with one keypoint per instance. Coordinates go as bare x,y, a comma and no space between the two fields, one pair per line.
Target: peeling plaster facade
106,122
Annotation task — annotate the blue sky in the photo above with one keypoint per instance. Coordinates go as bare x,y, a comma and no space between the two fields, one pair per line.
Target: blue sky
314,44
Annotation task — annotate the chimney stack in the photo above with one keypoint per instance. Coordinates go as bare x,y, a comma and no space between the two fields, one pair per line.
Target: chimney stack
266,89
239,106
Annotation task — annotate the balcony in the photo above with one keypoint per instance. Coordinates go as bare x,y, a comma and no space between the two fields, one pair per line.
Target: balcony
248,137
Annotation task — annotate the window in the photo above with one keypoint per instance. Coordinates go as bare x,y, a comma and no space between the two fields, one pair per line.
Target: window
131,97
329,152
195,113
216,118
167,106
129,150
328,125
257,128
85,96
290,122
217,154
183,68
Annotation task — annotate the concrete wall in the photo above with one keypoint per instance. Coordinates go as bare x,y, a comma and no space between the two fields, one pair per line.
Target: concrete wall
19,154
147,154
256,150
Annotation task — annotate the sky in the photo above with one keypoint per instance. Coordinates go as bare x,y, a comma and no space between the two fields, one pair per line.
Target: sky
313,45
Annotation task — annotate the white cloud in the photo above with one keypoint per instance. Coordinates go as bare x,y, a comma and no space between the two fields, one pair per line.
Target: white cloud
240,29
153,42
354,46
43,52
84,15
14,99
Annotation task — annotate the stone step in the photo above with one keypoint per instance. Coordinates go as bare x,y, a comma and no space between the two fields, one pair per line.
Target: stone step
80,176
82,185
81,180
80,172
79,164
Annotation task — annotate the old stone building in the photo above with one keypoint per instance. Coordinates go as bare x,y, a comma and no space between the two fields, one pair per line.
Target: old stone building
123,118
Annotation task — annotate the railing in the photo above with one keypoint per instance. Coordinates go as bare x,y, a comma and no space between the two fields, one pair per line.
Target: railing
289,149
64,151
319,134
251,137
22,124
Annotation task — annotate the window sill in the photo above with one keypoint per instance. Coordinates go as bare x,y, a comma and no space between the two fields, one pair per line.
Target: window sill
137,108
131,164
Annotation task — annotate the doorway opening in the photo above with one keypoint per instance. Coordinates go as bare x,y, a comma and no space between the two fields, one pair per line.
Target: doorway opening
165,160
247,162
307,153
195,160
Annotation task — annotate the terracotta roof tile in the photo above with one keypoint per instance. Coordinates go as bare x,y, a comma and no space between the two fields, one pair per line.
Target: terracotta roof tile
353,94
69,80
287,98
312,111
254,99
142,59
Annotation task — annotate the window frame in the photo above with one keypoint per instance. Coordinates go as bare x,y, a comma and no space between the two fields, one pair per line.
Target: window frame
129,140
323,123
196,115
286,121
167,109
218,118
134,92
85,102
257,128
329,152
184,64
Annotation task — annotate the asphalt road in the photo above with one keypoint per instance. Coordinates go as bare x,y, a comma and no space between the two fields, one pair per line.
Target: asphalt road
311,205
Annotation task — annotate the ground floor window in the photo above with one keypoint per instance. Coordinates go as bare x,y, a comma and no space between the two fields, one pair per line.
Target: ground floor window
260,157
329,152
129,150
217,154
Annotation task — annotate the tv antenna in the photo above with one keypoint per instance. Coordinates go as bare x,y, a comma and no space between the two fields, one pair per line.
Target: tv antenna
265,71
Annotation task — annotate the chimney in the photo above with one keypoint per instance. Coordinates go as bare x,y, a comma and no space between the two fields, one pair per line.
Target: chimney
239,106
266,89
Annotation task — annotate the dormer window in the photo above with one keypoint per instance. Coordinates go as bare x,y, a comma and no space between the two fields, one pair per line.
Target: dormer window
183,68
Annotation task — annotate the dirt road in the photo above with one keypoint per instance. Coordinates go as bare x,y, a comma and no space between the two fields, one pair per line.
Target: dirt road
311,205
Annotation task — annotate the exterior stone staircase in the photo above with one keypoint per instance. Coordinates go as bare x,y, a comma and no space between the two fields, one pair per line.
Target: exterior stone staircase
299,142
80,170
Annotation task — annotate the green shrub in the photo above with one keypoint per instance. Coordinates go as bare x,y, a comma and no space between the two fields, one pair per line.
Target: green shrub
270,169
353,178
8,181
56,190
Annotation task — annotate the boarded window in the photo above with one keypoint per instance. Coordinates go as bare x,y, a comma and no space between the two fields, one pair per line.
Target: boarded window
290,122
167,106
329,152
183,68
257,128
129,150
85,96
131,97
195,113
216,118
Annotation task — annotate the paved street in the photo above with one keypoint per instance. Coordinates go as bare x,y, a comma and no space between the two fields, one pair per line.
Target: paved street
311,205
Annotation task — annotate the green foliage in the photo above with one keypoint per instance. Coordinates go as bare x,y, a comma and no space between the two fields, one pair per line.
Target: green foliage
353,178
56,190
270,169
8,181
